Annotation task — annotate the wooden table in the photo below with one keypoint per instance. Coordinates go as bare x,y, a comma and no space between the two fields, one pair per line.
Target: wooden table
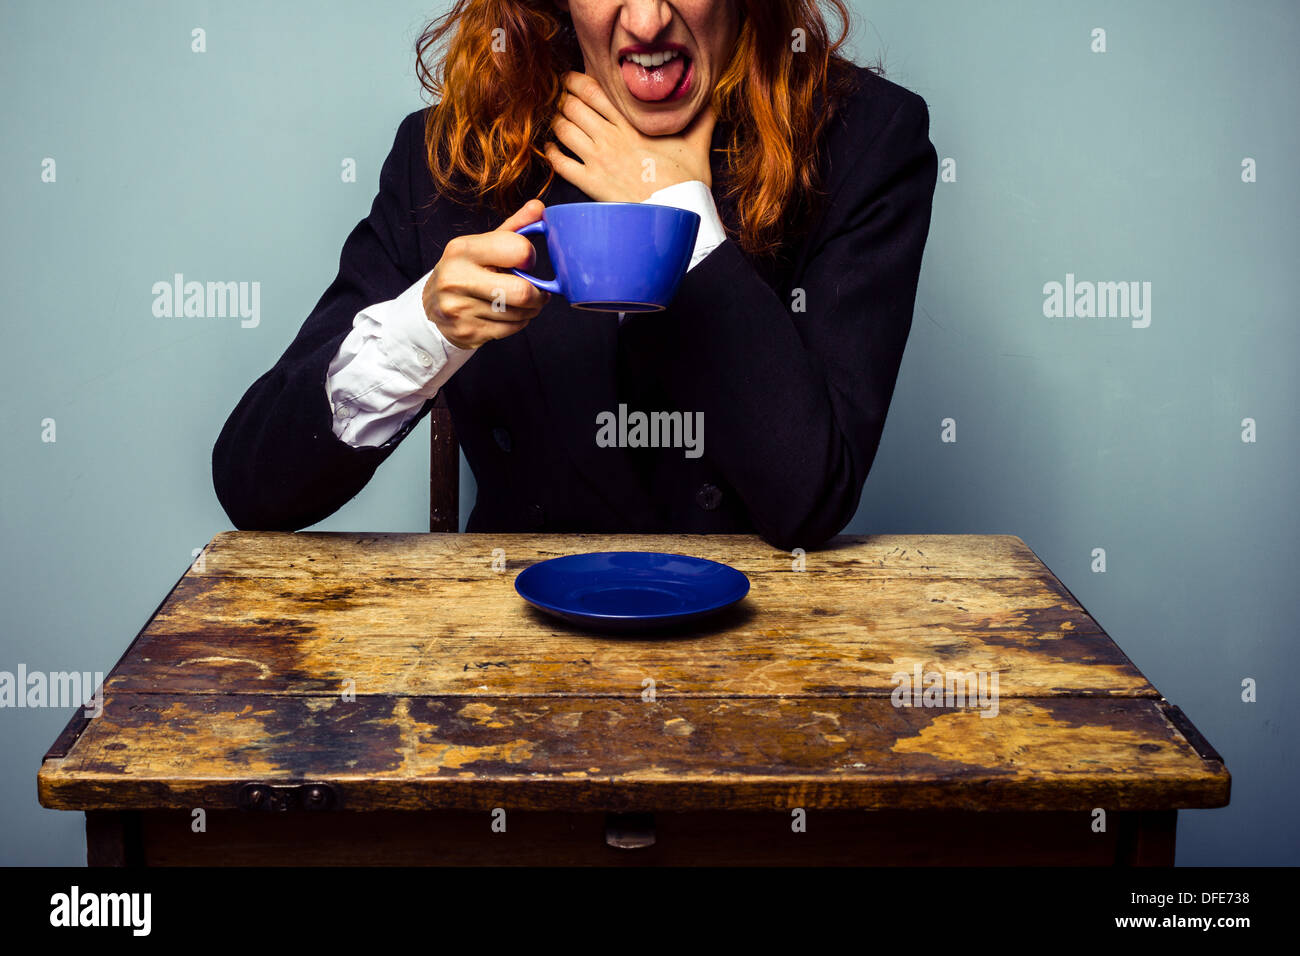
388,698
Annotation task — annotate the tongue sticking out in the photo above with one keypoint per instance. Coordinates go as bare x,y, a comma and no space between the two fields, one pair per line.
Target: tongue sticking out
656,82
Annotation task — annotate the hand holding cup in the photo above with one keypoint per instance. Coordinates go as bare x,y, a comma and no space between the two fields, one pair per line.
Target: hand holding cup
472,295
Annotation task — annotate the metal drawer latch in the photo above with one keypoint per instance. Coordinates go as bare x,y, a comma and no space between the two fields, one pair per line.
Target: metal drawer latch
277,797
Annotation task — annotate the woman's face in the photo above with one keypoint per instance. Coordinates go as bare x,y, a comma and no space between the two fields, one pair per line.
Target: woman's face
683,46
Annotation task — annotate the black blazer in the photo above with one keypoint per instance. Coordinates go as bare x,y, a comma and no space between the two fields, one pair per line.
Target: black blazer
793,401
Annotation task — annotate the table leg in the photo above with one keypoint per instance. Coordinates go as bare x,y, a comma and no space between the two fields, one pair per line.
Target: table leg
113,838
1147,839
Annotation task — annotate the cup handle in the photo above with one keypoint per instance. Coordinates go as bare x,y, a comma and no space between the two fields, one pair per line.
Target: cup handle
546,285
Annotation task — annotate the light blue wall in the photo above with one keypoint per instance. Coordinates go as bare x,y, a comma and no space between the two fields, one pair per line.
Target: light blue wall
1074,434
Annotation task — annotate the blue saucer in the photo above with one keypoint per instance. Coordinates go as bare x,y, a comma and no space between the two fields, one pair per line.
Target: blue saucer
630,590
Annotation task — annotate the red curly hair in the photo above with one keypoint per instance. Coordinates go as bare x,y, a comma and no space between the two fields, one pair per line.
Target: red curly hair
493,113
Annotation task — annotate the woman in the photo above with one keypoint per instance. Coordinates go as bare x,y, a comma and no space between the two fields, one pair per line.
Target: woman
813,179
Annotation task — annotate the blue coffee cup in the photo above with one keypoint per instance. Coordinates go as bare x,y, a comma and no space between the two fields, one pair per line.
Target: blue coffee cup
615,256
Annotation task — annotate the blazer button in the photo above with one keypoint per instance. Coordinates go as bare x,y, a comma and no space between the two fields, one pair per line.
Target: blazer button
708,497
502,438
537,517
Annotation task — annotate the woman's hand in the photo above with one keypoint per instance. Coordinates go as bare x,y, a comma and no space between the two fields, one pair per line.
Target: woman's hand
467,296
614,153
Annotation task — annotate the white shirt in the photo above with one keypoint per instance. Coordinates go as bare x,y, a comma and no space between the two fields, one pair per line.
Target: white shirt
395,357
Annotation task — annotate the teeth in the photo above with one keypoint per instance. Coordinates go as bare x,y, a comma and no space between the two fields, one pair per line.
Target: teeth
651,60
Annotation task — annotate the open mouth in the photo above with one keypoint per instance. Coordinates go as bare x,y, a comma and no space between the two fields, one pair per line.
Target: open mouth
658,77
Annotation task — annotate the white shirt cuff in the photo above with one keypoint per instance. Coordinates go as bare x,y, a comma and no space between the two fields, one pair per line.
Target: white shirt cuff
415,346
696,197
392,360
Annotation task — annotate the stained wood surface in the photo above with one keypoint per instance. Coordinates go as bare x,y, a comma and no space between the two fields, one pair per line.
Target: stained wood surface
602,753
467,698
427,614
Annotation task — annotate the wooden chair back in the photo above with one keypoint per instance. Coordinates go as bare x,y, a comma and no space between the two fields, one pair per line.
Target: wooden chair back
444,470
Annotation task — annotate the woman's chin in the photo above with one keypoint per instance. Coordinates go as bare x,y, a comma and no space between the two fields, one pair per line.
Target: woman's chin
661,122
656,126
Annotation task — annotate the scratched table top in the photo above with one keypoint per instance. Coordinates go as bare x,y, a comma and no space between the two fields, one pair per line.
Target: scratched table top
404,671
